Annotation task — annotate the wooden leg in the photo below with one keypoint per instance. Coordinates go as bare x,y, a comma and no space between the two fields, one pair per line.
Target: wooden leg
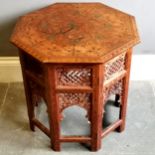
124,95
30,104
28,93
97,106
53,107
117,103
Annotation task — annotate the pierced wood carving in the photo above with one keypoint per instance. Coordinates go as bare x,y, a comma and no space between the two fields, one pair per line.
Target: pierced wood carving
69,99
115,88
74,76
115,67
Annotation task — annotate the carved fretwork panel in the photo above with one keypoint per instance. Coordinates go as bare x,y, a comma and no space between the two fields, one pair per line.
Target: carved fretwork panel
78,77
73,76
69,99
114,67
37,92
113,89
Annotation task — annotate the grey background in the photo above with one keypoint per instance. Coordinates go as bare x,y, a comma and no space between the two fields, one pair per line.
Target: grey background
141,9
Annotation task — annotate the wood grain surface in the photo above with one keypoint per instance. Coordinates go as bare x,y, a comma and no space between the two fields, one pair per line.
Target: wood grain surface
75,33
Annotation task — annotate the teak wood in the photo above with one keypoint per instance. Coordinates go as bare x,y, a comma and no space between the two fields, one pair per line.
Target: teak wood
76,54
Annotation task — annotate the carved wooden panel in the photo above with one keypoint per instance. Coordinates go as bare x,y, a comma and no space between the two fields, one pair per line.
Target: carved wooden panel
82,100
37,91
69,99
115,88
73,76
114,67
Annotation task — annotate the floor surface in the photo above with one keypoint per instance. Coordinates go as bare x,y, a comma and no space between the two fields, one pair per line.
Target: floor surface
138,138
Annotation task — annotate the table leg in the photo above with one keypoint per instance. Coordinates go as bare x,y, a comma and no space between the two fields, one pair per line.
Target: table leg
124,95
53,106
28,93
117,102
97,107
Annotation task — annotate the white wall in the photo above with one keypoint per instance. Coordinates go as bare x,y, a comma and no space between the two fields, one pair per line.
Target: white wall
144,11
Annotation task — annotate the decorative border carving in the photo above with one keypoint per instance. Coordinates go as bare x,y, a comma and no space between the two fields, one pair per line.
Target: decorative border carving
69,99
115,88
73,76
114,66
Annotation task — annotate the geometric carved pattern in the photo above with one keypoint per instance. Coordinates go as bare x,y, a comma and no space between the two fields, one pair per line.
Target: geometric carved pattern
82,76
80,99
114,67
69,99
113,89
74,76
37,93
36,89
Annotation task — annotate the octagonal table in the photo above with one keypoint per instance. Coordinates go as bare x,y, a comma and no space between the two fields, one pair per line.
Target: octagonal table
76,54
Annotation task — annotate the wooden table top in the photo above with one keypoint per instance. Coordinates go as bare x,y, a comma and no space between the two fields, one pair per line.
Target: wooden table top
75,33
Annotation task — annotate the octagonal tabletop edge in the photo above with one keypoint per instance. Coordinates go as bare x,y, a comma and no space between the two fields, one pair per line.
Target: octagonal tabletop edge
75,33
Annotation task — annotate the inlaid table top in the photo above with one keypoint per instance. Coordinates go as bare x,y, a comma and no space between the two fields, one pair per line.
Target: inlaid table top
75,33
